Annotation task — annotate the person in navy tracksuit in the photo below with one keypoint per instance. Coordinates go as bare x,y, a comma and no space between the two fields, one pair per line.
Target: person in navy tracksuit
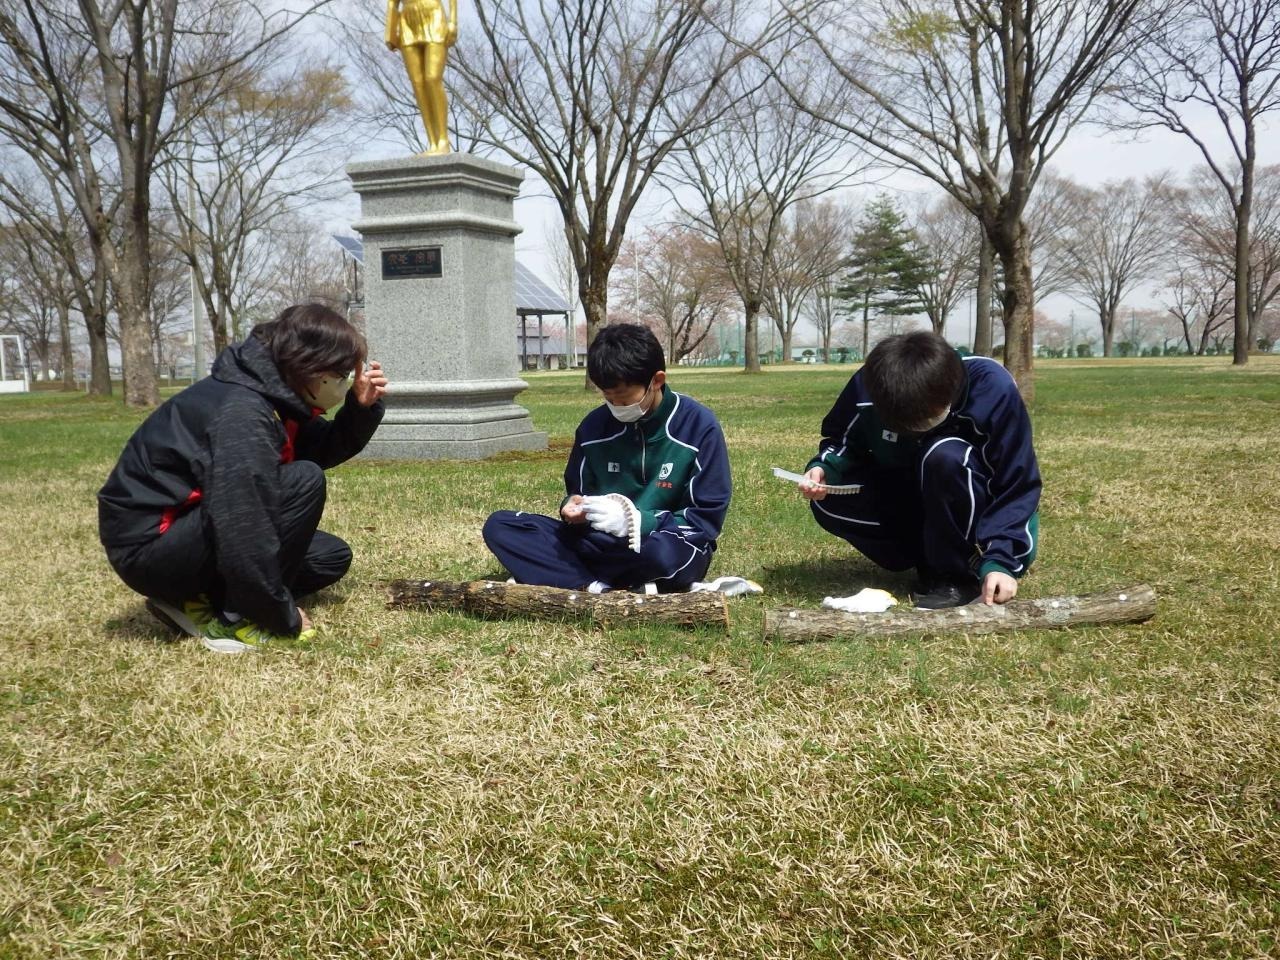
647,484
950,484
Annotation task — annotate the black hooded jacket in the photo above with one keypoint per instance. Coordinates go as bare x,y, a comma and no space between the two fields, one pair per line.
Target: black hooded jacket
220,443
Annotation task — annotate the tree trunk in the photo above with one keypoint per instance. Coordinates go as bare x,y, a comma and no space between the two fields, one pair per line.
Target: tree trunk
595,300
217,315
982,306
140,389
1240,354
99,364
786,344
751,338
502,600
866,324
1107,317
68,360
1019,309
1135,604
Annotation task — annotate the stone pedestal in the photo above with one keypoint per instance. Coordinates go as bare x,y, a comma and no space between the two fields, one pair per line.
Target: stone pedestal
446,341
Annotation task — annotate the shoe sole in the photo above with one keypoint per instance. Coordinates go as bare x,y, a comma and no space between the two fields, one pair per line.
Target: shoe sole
172,617
224,645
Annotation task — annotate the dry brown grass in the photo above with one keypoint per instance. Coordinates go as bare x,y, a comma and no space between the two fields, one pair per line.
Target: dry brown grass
429,785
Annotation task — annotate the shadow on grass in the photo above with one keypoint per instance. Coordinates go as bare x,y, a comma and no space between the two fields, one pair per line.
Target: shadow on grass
140,626
813,580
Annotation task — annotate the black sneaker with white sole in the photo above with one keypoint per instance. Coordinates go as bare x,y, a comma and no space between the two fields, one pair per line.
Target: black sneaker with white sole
944,592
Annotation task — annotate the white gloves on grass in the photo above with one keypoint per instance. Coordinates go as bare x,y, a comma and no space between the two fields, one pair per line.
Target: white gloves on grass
614,514
868,600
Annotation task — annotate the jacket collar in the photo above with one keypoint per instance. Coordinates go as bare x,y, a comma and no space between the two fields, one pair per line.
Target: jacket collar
656,418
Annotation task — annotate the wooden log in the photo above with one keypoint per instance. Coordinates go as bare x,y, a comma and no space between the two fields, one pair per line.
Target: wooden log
1128,605
487,598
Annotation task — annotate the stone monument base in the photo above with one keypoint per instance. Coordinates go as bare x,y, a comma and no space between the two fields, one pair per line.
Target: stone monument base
458,420
440,310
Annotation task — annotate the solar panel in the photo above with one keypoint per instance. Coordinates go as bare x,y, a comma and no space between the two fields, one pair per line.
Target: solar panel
532,295
352,246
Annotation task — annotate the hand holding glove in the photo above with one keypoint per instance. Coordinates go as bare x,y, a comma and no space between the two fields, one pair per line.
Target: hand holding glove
616,515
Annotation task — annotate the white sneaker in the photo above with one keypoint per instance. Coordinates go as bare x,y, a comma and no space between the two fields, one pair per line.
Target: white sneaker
598,586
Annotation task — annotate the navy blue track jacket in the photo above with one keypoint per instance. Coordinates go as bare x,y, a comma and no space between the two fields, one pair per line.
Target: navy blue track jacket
991,416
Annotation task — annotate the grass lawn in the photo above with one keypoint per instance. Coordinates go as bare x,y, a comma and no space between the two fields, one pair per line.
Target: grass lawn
420,785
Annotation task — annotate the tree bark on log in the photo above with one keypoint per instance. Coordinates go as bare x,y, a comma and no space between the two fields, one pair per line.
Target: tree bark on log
1128,605
487,598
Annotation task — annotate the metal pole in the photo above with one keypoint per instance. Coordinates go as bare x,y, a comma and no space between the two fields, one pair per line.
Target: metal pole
197,302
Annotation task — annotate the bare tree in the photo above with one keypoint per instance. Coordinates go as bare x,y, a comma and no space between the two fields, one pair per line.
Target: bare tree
1199,295
813,248
564,276
593,96
264,149
1264,249
42,186
947,242
306,267
39,296
825,311
976,96
1115,240
170,305
747,171
680,286
81,74
1052,212
1215,66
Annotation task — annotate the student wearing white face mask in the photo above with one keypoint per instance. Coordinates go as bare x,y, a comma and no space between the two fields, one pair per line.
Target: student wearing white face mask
212,511
647,484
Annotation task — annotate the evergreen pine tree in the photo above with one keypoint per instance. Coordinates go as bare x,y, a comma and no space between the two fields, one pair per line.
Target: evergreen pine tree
884,267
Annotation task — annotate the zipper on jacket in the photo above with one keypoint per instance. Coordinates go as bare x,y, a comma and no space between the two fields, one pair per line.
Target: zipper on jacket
640,434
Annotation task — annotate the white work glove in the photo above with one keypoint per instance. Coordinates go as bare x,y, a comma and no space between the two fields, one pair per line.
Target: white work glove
867,600
616,515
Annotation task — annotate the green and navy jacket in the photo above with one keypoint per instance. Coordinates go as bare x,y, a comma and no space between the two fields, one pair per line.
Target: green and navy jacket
672,464
991,416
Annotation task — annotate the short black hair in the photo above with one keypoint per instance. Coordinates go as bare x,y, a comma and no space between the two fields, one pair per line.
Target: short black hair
911,377
308,340
624,354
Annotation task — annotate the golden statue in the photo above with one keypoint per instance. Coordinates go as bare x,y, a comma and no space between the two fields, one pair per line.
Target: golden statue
420,31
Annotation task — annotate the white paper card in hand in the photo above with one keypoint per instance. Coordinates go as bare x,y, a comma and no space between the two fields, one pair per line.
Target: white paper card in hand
836,488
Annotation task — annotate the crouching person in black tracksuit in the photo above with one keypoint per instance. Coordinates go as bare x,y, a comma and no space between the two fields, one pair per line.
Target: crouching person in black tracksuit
213,508
647,484
950,484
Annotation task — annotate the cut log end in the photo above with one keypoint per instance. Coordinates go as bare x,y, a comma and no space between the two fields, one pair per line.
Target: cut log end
488,598
1134,604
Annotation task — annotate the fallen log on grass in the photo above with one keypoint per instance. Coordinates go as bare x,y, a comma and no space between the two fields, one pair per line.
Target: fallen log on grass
1128,605
487,598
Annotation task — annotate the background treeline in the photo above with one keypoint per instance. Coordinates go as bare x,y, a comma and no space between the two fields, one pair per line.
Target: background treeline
701,157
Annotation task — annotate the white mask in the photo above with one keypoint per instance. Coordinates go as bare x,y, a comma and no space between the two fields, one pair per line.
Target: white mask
327,391
629,412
